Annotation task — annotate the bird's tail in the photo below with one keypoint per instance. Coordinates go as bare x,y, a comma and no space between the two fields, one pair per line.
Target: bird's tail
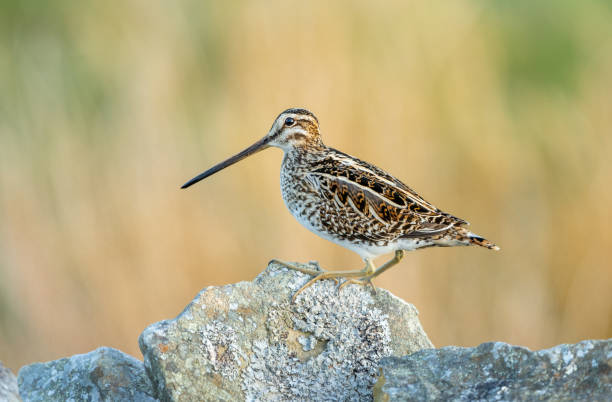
481,241
461,236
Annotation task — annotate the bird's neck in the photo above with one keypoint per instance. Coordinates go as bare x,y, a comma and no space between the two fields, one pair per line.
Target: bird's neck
303,156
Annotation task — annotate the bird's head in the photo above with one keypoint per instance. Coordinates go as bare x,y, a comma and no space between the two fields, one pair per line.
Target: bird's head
293,129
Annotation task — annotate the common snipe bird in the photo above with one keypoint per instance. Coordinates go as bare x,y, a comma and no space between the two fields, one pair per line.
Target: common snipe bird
350,202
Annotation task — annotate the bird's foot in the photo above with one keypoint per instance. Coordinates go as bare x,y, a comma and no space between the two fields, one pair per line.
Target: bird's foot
365,281
365,273
363,277
320,275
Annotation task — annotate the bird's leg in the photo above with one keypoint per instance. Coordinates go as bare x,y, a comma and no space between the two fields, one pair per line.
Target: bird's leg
399,254
367,279
369,269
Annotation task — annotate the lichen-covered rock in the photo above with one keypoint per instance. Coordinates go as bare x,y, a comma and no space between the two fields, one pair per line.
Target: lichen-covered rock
249,341
500,372
105,374
8,385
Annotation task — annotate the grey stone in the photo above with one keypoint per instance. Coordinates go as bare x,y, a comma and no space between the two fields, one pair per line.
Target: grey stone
500,372
248,341
8,385
105,374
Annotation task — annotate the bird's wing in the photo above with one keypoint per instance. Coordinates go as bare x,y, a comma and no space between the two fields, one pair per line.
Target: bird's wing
359,188
396,183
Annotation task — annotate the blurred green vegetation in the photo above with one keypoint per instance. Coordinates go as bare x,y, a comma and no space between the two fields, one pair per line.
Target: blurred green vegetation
496,111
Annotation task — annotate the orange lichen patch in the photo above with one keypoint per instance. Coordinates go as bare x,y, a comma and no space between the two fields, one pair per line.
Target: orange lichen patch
245,311
162,347
221,349
216,303
379,394
293,344
217,380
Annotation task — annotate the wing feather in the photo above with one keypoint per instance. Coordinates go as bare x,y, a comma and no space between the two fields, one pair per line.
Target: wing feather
367,192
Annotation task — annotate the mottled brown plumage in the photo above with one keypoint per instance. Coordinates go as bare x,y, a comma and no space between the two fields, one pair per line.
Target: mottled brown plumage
351,202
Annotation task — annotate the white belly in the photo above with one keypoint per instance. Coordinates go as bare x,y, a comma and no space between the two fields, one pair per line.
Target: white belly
365,250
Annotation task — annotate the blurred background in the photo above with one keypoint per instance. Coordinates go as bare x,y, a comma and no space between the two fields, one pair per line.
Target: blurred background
498,112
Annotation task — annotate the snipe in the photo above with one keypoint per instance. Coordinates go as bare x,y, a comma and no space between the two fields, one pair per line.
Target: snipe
350,202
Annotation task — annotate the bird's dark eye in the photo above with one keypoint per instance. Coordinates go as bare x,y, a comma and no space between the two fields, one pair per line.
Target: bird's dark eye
289,122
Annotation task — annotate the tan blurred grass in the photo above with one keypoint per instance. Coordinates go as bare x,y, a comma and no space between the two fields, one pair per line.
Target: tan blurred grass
498,113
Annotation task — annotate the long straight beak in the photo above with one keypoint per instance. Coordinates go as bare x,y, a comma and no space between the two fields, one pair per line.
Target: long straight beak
258,146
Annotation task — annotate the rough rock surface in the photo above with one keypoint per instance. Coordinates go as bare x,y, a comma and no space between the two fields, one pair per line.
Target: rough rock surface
105,374
249,341
8,385
500,372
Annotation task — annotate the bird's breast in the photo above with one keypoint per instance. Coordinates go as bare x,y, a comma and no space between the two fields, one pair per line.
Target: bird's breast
297,192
